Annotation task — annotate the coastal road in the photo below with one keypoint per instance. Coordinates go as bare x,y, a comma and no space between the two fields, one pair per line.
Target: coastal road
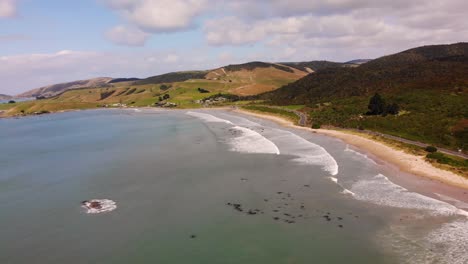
416,143
303,122
302,118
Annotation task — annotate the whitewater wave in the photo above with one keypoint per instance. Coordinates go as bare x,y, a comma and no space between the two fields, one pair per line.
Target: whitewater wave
240,120
271,140
305,151
347,149
450,242
380,190
345,191
208,117
453,201
252,142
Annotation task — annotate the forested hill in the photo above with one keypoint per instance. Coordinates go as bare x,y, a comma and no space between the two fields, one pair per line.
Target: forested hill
439,67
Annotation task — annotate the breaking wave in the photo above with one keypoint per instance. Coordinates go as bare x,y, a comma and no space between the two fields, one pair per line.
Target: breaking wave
380,190
347,149
305,151
252,142
208,117
272,140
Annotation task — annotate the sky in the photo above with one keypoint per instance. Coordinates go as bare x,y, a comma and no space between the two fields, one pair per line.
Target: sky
52,41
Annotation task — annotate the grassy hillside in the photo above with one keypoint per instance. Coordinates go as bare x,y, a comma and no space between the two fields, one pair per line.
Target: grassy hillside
52,90
181,88
430,84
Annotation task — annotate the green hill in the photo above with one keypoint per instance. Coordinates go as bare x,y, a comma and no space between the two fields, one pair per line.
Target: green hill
430,85
185,89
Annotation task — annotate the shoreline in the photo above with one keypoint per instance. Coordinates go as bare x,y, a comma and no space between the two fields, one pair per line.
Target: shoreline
405,162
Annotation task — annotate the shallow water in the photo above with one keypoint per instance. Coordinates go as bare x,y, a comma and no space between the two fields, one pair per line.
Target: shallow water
172,175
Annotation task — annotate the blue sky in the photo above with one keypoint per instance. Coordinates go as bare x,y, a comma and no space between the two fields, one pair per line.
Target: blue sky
49,41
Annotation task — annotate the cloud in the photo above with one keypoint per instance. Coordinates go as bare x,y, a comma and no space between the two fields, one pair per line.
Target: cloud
171,58
23,72
8,8
128,36
337,29
159,15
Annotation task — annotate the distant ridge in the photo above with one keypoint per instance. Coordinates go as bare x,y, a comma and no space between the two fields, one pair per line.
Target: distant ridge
358,61
52,90
312,66
118,80
5,97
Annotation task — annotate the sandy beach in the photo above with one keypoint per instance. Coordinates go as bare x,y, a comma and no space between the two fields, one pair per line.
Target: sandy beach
403,161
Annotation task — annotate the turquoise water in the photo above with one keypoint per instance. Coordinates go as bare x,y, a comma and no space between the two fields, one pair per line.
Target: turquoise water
172,176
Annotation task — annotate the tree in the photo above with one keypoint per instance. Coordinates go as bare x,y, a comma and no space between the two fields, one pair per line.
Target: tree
393,109
431,149
376,105
11,102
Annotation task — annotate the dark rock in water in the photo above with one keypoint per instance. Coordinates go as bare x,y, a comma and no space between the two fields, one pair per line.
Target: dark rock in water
95,205
279,192
339,218
266,200
340,226
275,211
251,212
193,236
276,218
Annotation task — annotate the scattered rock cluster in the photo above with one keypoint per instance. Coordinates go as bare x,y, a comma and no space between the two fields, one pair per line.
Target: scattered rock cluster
282,206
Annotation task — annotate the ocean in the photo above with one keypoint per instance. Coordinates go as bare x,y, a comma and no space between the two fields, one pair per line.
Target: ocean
210,186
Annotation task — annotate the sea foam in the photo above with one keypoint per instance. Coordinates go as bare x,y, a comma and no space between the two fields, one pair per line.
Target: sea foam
208,117
305,151
380,190
252,142
359,154
272,140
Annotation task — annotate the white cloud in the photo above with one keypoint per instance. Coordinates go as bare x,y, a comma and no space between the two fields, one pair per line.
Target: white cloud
128,36
7,8
338,29
171,58
159,15
23,72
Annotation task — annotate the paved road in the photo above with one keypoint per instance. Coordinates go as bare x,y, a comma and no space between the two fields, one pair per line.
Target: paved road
302,118
416,143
